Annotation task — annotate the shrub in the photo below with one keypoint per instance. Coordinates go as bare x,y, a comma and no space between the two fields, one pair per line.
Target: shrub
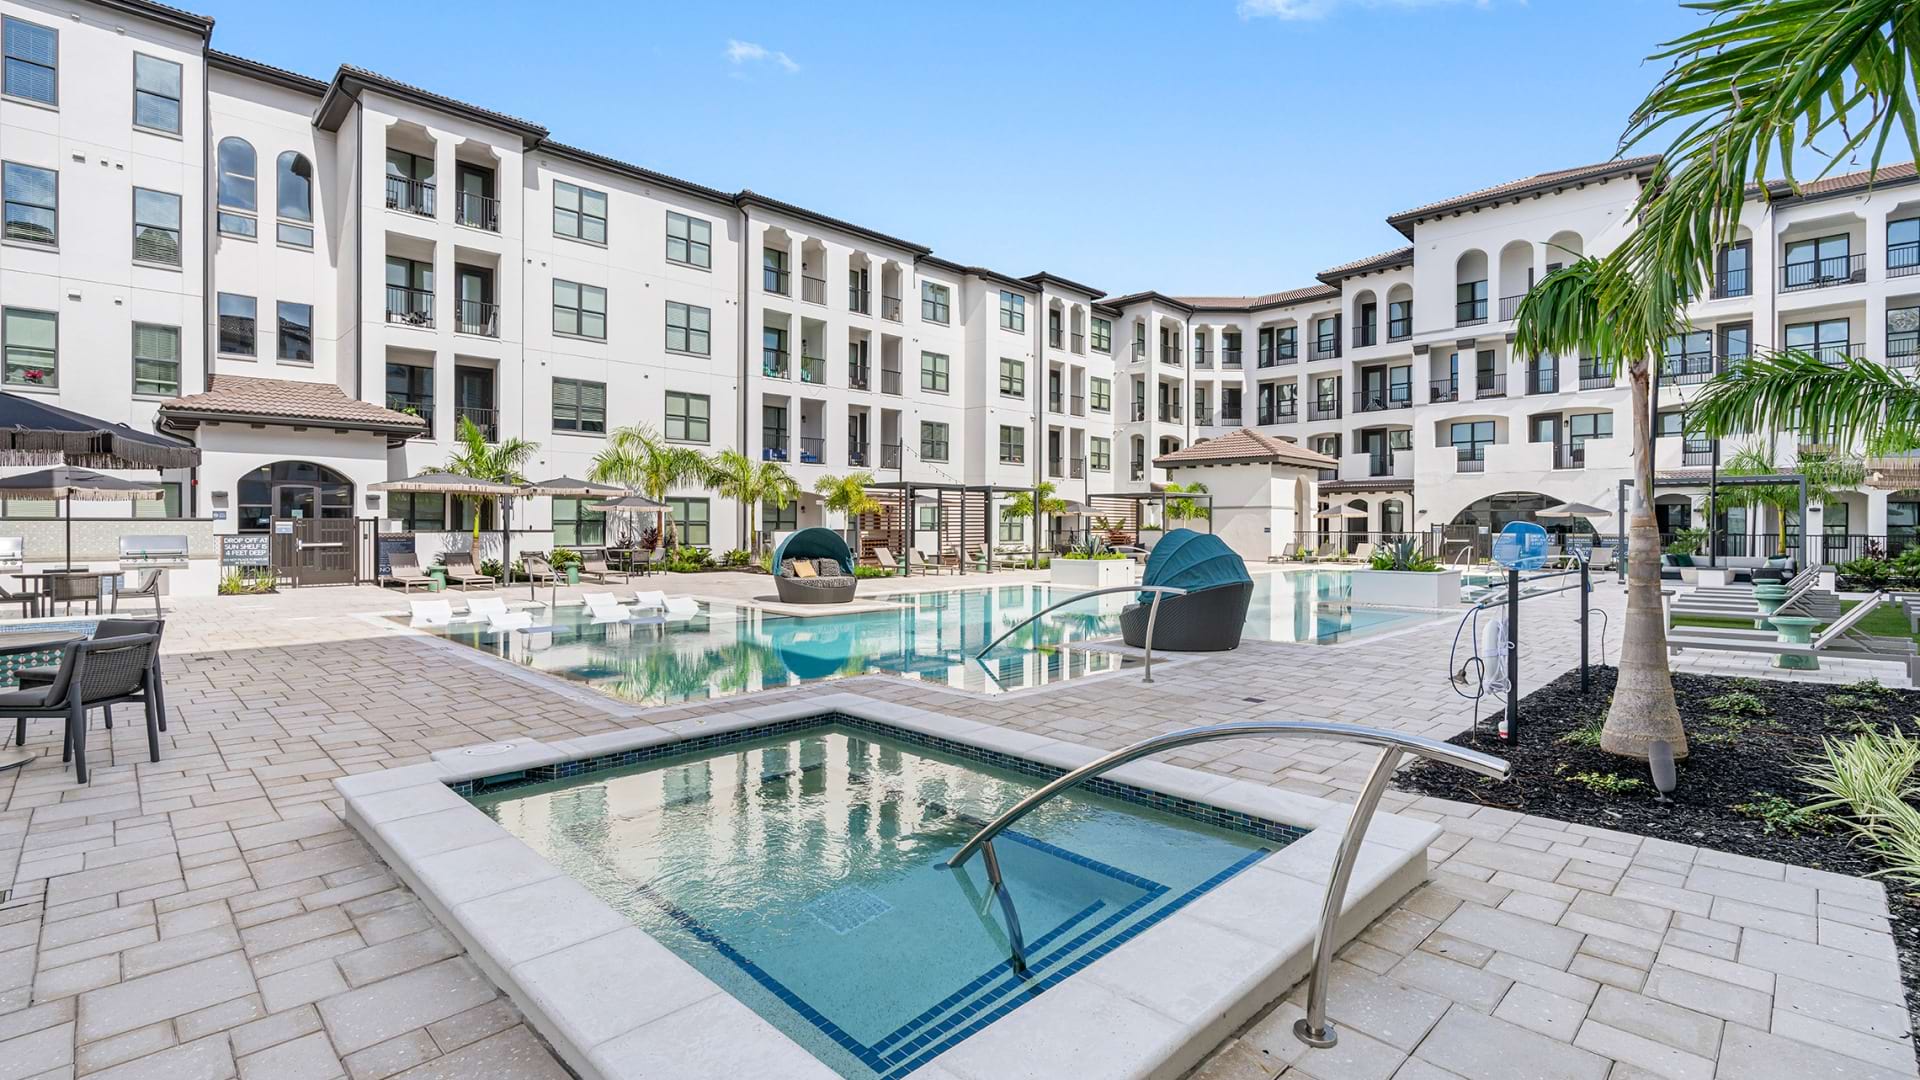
1607,783
239,581
1404,556
1866,573
1686,541
872,572
1736,703
1870,778
736,558
1092,546
561,558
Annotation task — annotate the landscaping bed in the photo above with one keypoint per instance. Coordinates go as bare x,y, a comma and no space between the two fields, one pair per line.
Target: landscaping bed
1740,789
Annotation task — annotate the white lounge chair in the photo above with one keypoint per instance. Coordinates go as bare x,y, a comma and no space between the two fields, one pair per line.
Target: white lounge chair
485,609
510,620
605,607
682,607
651,600
431,613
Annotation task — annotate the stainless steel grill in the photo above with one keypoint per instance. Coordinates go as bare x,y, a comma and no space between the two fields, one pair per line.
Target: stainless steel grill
159,552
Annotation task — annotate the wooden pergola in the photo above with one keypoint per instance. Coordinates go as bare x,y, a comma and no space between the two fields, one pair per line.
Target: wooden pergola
965,516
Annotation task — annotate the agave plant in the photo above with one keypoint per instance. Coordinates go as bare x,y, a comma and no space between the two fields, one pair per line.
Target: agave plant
1091,546
1404,556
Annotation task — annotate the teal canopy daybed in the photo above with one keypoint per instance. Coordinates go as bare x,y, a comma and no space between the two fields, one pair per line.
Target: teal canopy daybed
1210,616
832,581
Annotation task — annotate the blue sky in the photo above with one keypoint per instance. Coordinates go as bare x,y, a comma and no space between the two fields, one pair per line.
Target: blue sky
1191,147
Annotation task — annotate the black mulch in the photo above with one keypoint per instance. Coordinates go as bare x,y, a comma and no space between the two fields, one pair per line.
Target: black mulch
1734,761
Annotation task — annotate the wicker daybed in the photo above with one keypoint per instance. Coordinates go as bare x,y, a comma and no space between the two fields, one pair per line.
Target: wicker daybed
823,552
1212,613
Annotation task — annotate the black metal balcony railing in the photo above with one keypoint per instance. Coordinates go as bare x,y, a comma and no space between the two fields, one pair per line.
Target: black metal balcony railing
1079,343
1056,338
1470,461
1490,384
1325,348
1393,397
410,307
1281,412
1202,356
813,289
1229,358
1139,411
1595,374
1731,283
1823,273
1686,369
1079,404
856,454
485,418
858,300
477,317
1469,312
1903,349
1276,355
1831,355
1055,467
813,450
1169,413
1328,475
1138,471
890,308
1056,403
1139,351
1570,455
411,196
858,376
1170,353
1229,414
1543,378
1077,468
477,211
813,369
1326,408
1203,416
1398,329
1443,390
1380,463
1510,306
1696,454
773,363
412,405
890,381
891,454
774,281
1903,260
1364,336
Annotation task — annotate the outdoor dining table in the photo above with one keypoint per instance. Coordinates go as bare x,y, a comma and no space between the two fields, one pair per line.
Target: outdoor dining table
31,641
40,583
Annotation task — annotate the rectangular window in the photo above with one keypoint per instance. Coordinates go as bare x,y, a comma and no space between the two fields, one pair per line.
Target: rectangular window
580,213
1670,424
1100,454
32,59
1013,530
1286,342
167,506
156,360
935,303
32,203
1826,340
933,441
575,525
418,511
1903,247
776,519
927,517
237,317
156,227
1471,439
1399,319
1470,301
579,405
1736,270
933,372
1013,377
1013,445
296,332
690,522
689,240
1102,335
1326,336
1100,394
580,310
689,417
689,329
773,271
31,343
293,235
156,93
1013,312
1822,261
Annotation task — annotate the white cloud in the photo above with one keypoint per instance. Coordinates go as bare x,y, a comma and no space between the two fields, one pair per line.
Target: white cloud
743,53
1303,10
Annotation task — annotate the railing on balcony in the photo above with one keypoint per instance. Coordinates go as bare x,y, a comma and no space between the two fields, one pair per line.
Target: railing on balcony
1139,411
486,419
1324,408
1055,467
890,381
1229,415
1325,348
421,407
1138,471
1473,460
1380,463
858,376
410,307
1056,337
1570,455
1327,475
1079,403
1202,356
1203,416
1490,385
1831,355
1903,348
813,450
890,308
477,317
1275,355
1443,390
476,211
773,363
1281,412
412,196
1077,468
1731,283
1229,358
1510,306
1686,369
1903,260
891,454
813,289
1364,336
1393,397
1697,454
1543,378
813,369
1823,273
774,281
1169,412
1469,312
1079,343
858,300
1596,374
856,453
775,448
1170,354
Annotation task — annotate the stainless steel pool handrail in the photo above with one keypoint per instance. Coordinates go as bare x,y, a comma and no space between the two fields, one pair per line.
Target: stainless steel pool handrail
1312,1029
1153,613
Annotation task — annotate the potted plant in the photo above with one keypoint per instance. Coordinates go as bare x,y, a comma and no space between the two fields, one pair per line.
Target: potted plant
1401,575
1090,564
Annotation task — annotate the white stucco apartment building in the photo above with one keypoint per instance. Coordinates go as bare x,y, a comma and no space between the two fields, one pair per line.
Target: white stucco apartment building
316,281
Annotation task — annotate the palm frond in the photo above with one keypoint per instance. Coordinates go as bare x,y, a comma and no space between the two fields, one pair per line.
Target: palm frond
1842,403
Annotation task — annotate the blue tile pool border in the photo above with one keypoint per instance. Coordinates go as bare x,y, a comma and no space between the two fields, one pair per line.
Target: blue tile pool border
1191,809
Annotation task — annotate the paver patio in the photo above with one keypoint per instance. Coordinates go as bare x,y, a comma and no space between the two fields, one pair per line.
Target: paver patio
210,916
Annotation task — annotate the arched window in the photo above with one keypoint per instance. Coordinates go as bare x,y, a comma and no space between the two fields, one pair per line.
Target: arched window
292,489
236,174
294,186
1393,519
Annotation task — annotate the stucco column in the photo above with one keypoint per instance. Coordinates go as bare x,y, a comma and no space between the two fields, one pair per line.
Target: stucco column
1876,512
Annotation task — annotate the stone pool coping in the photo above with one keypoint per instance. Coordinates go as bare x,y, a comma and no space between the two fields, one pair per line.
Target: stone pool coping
618,1005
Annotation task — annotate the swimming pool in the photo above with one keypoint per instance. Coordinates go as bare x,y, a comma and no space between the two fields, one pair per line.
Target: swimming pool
803,872
933,636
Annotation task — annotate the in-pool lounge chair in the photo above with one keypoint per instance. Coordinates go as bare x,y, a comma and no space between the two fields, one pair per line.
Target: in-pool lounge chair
1212,613
431,613
461,571
681,608
605,607
651,601
482,608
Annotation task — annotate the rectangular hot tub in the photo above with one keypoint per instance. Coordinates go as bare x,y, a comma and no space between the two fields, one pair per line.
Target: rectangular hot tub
774,895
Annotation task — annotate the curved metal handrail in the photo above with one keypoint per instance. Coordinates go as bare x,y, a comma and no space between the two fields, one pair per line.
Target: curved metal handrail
1153,614
1313,1029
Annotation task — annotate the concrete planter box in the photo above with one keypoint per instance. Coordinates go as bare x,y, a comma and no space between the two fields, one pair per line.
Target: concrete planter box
1406,589
1090,573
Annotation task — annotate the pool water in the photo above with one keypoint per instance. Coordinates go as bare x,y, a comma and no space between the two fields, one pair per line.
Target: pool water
805,873
932,636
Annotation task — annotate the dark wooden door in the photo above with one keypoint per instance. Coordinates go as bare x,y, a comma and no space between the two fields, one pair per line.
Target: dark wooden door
317,551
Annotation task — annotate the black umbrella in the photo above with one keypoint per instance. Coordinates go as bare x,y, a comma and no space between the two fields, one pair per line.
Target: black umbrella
66,483
33,432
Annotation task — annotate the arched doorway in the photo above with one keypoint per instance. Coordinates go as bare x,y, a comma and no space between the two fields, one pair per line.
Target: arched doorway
297,490
1480,521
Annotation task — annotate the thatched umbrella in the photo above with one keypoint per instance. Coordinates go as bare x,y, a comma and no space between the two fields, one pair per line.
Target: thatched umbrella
440,482
33,432
567,487
635,504
65,483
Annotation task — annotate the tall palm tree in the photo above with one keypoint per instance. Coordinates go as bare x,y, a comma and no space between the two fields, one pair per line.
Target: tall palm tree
751,483
1024,505
638,459
499,462
848,495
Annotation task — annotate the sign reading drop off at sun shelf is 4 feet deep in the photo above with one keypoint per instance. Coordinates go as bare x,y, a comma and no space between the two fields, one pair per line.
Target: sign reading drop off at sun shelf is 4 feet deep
1522,545
246,549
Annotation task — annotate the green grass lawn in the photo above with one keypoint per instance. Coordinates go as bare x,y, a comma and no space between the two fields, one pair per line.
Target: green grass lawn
1888,621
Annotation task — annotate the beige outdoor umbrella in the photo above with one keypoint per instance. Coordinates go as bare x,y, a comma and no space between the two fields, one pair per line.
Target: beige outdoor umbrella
566,487
635,504
440,482
64,483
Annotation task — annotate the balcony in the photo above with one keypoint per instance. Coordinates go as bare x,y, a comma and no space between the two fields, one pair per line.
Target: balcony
485,418
1364,336
1056,338
412,405
1169,353
1284,412
1903,349
1229,415
856,454
1229,358
1469,312
813,369
1490,384
1543,378
1139,411
1169,412
1510,306
1380,463
891,455
476,211
1276,355
1079,404
1077,468
890,381
1325,408
858,376
1325,349
890,308
813,290
1686,369
1596,374
813,450
1823,273
1831,355
858,300
1728,284
1080,344
1569,455
1202,356
410,307
477,317
1203,416
1903,260
1697,454
1055,467
1139,352
1443,390
773,363
1393,397
775,448
410,196
1470,460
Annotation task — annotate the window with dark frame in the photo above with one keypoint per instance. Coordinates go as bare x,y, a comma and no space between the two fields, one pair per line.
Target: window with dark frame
580,310
689,328
774,519
156,360
1013,311
933,372
689,417
579,213
418,511
156,94
576,524
689,240
935,303
1013,445
29,61
580,405
1013,377
933,440
1399,319
30,343
1100,454
238,193
238,324
1102,335
691,524
156,227
32,197
1100,394
293,199
295,331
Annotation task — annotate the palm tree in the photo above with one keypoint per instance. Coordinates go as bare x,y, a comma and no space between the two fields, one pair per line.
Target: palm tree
638,459
1188,509
1022,506
1827,476
499,463
751,483
848,495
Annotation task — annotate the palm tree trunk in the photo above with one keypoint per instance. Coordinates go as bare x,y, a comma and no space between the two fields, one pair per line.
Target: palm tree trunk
1643,707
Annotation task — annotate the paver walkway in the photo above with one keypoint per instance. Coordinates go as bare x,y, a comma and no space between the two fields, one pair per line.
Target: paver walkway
209,916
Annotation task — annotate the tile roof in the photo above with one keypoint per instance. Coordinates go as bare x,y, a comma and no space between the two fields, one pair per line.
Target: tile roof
322,403
1044,278
1525,185
1898,173
1358,487
255,69
1265,300
1400,256
350,80
166,13
1246,445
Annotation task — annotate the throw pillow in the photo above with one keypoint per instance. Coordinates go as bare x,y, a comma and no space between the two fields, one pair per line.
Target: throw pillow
803,569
